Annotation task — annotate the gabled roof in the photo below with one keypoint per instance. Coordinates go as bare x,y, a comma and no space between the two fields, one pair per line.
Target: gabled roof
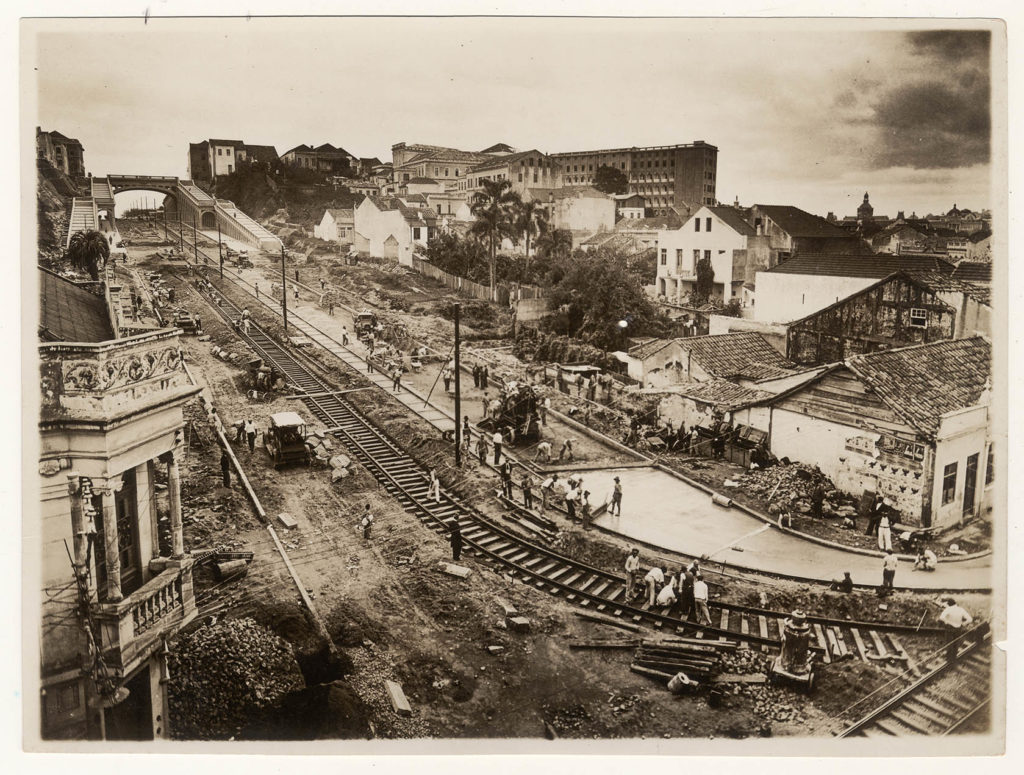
645,350
671,221
340,214
979,236
70,313
421,180
299,149
732,218
499,148
800,223
973,271
262,152
371,161
876,265
924,382
724,395
739,354
503,161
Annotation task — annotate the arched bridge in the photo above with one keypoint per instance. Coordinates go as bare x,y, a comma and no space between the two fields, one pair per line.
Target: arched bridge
185,201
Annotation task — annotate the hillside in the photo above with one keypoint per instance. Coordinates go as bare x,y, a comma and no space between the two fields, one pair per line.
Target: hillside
54,191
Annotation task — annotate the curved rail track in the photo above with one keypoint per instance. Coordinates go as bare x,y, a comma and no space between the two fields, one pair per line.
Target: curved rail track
942,702
407,481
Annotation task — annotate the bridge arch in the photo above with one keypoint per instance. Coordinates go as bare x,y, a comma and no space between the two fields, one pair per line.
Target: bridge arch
208,220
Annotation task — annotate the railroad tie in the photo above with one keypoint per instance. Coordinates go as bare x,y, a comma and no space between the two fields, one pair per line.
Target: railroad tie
859,642
762,624
723,622
822,642
744,630
879,646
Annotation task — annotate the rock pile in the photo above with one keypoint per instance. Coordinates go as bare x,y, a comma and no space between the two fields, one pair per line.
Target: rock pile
224,674
790,487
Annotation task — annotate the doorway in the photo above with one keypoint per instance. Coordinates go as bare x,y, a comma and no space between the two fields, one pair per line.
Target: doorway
132,718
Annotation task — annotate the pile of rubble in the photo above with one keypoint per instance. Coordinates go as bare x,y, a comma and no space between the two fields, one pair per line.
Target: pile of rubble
225,673
789,487
770,702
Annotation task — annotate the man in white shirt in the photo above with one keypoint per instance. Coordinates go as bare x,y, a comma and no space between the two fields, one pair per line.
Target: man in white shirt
700,598
654,579
632,572
667,596
497,440
953,616
926,560
250,434
889,565
543,451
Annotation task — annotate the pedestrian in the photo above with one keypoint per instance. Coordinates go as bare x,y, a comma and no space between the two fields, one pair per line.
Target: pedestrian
586,415
240,431
485,402
954,619
455,539
370,342
632,572
295,291
366,522
566,448
686,582
571,497
322,284
616,508
485,375
700,598
225,468
545,405
547,489
245,326
434,489
344,332
694,441
875,516
585,509
889,565
396,379
654,579
250,434
481,448
497,440
476,375
527,491
543,451
446,375
257,286
884,533
369,363
466,431
926,560
506,478
667,596
817,499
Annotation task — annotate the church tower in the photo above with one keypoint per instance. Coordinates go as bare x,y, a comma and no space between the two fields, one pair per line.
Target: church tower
865,211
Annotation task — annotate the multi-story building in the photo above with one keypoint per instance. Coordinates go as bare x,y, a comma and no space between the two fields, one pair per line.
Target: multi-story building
63,153
116,579
324,158
393,227
415,160
211,158
524,170
679,176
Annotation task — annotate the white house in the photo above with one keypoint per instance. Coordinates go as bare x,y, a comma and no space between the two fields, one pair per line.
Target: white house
335,226
581,209
392,228
716,233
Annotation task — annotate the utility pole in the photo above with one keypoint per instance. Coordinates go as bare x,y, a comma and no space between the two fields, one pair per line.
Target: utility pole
284,292
165,220
181,235
195,238
220,251
458,402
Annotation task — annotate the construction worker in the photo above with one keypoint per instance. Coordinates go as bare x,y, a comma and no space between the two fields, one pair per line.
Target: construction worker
366,523
632,572
481,449
497,441
225,468
547,488
250,434
506,478
543,451
616,507
434,489
455,539
566,449
700,598
525,485
654,579
585,509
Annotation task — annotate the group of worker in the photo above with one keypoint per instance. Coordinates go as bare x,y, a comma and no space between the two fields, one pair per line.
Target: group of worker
664,589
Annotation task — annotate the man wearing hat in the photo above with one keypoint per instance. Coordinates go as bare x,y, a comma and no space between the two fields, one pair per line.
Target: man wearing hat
616,507
455,539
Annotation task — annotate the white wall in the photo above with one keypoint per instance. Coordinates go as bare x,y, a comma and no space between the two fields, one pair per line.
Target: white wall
783,298
327,229
722,240
223,160
377,225
960,436
584,213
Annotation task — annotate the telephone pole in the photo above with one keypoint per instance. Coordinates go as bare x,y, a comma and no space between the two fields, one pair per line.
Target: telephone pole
195,238
458,402
284,292
181,235
220,251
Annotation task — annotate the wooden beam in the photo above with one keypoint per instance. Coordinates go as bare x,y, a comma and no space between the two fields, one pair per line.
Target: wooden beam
327,393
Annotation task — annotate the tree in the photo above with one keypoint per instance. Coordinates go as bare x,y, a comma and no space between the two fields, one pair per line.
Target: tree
611,180
531,220
494,209
461,257
555,243
705,280
88,251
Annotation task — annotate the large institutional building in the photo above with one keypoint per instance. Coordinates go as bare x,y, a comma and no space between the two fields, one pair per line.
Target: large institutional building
679,176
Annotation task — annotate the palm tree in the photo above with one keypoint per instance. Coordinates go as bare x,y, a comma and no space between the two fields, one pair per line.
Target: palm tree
531,220
494,209
88,251
555,242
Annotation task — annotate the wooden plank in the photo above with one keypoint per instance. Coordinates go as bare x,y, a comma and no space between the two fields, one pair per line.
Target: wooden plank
602,619
657,674
859,641
744,630
822,642
833,643
762,624
843,650
879,646
622,644
398,699
754,678
911,664
723,622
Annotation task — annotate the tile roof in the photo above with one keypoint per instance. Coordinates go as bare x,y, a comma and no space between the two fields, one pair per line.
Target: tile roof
739,354
800,223
342,213
647,349
499,148
232,143
299,149
924,382
69,313
421,180
502,161
725,395
876,265
973,271
938,282
655,223
733,219
569,191
978,236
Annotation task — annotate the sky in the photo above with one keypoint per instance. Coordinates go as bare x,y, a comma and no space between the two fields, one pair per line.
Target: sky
803,113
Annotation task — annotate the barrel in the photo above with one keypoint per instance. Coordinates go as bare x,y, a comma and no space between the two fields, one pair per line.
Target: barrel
721,500
680,682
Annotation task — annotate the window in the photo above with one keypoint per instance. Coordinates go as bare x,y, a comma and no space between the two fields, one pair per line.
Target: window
696,257
990,465
535,176
948,483
436,171
520,177
664,256
679,258
707,255
918,317
707,224
439,209
220,151
696,224
416,233
446,172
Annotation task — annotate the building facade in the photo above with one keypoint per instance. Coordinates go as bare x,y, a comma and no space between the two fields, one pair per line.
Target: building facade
679,176
336,225
116,580
211,158
63,153
392,228
524,170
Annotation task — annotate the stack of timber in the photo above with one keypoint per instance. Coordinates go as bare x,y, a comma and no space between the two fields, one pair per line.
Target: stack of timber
662,659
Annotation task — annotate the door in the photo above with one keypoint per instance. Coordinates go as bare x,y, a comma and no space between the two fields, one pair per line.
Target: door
970,484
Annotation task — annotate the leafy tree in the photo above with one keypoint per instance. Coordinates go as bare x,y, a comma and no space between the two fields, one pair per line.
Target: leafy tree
555,243
611,180
88,251
596,292
705,280
465,258
531,220
494,209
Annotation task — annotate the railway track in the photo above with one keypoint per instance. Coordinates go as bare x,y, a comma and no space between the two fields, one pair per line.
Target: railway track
941,702
406,479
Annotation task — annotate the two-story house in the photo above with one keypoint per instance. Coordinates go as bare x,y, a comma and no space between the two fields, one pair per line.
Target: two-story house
116,581
392,227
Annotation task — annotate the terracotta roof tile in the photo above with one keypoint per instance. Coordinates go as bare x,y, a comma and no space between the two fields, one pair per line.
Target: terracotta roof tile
725,395
860,264
740,354
70,313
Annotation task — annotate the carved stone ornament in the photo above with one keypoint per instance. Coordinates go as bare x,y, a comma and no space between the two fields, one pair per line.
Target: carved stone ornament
88,376
49,467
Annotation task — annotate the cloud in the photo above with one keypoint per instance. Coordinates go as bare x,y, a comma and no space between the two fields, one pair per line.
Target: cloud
942,117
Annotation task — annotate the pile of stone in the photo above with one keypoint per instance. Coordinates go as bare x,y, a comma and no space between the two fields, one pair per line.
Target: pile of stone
226,355
789,487
224,674
341,466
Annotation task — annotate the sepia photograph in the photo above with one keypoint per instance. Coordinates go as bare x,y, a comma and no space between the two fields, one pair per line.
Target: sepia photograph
540,384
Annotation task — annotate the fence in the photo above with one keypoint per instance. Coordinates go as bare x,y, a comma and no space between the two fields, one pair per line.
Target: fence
503,292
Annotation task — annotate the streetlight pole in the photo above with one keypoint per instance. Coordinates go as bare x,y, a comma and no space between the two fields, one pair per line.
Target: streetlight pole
195,239
458,397
220,251
284,292
181,235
